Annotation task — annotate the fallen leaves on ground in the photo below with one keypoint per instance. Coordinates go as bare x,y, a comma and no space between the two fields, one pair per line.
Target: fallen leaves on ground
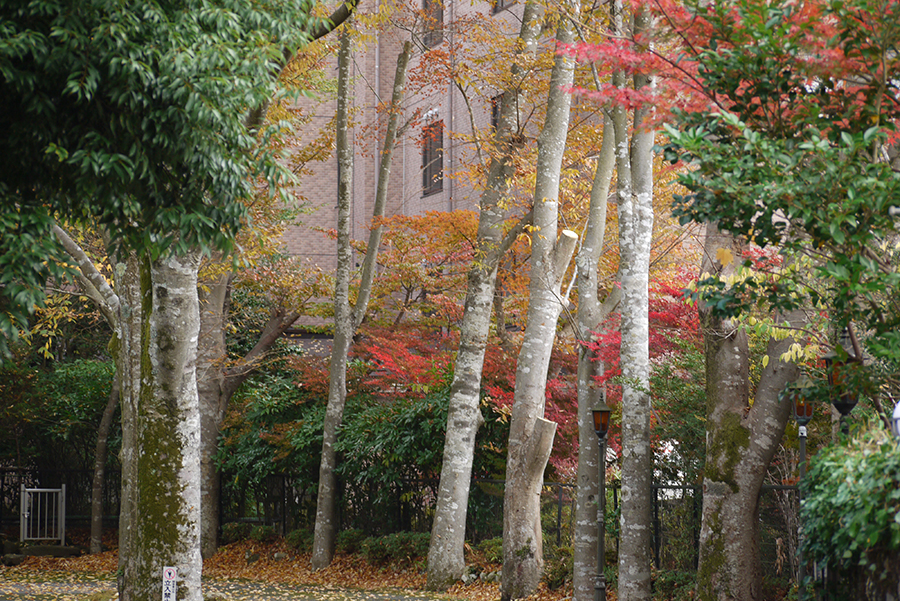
230,564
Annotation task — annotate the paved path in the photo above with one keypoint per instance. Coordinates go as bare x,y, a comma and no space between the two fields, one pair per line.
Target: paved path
213,590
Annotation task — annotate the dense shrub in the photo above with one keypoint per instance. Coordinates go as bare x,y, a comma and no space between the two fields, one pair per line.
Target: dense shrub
235,531
559,564
492,549
349,541
263,534
674,585
402,548
851,515
301,540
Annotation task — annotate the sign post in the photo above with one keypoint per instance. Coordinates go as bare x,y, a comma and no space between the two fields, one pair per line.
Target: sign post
169,584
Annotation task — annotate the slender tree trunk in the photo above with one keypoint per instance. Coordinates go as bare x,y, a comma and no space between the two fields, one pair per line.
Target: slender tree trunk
590,314
346,322
741,441
100,468
446,561
634,172
210,387
530,435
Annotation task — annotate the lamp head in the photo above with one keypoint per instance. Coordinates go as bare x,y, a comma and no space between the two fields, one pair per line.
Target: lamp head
601,413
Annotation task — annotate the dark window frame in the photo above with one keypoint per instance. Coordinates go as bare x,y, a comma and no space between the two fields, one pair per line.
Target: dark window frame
433,158
501,5
433,12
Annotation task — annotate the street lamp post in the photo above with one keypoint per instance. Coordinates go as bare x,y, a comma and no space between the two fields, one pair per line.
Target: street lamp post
600,414
837,368
803,412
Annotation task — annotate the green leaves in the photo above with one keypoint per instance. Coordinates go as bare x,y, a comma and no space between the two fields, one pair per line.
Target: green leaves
851,510
130,114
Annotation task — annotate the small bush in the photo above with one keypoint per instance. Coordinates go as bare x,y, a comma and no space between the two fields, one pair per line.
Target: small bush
559,564
492,549
402,548
301,540
674,585
235,531
349,541
263,534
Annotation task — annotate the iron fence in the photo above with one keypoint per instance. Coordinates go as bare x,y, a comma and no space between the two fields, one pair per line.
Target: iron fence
288,502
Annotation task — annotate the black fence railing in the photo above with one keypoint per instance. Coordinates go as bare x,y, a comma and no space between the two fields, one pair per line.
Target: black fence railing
289,503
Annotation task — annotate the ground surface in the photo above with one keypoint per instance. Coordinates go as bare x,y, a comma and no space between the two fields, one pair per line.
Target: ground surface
229,577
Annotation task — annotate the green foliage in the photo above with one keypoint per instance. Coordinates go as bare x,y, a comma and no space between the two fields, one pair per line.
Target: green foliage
793,158
492,548
300,539
131,115
26,242
559,565
678,382
851,513
272,427
673,585
262,533
349,541
401,548
235,531
397,438
50,418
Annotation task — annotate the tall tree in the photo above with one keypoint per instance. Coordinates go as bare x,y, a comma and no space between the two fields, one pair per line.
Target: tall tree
530,435
634,196
591,313
346,318
446,561
121,130
792,153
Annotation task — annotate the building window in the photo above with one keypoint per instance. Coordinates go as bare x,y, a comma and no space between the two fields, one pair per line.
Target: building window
500,5
496,104
434,22
432,158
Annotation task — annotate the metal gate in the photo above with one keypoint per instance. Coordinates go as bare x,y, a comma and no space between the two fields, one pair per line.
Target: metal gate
43,515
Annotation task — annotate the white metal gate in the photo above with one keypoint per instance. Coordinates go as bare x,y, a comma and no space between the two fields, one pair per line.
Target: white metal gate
43,515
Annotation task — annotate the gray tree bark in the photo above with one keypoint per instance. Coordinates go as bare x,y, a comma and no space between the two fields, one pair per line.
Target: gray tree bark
530,435
741,441
211,379
154,311
347,321
634,172
156,359
446,561
591,313
97,483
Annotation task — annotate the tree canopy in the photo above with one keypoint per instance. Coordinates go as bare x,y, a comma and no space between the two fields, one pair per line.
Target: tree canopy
130,115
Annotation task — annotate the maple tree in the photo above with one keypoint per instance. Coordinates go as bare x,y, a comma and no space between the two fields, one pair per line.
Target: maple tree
788,122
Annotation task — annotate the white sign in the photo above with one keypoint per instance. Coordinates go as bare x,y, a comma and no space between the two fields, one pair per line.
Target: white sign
169,584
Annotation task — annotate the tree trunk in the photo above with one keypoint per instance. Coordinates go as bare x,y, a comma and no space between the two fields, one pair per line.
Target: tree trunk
530,435
446,561
634,171
161,428
100,468
741,441
590,314
213,402
346,322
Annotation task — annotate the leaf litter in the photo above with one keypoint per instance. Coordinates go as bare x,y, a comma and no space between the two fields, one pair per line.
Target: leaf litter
228,576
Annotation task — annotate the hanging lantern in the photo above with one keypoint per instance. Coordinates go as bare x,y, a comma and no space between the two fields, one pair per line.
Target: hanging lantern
601,413
838,367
